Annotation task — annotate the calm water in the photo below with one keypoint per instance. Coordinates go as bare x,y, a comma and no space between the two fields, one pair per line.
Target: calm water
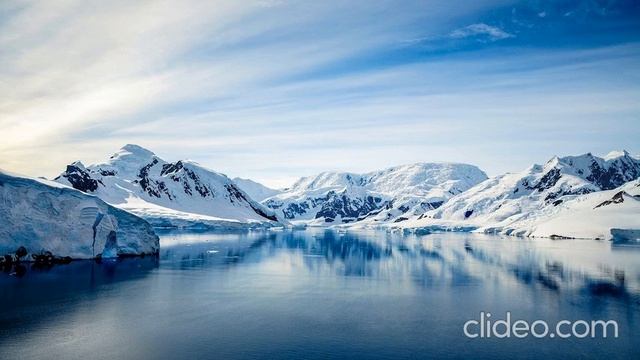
322,294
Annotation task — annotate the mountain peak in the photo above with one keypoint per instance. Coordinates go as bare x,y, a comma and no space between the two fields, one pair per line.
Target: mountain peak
616,154
131,152
553,162
137,150
137,180
78,164
128,159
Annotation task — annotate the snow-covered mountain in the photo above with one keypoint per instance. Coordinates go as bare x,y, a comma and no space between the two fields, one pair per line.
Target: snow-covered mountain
587,216
388,195
503,202
180,193
41,216
255,190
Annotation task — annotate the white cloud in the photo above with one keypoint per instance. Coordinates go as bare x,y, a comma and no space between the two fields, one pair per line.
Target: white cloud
68,67
485,31
228,84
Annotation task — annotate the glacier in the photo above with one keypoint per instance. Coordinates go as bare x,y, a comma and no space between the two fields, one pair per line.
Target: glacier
44,216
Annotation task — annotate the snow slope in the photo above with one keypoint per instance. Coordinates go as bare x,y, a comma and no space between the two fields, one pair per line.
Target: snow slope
381,196
516,203
45,216
255,190
180,193
588,216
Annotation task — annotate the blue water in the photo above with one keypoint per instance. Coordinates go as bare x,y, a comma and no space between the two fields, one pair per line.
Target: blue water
322,294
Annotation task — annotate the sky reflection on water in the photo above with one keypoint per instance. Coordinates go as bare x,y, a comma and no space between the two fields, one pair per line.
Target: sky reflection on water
319,294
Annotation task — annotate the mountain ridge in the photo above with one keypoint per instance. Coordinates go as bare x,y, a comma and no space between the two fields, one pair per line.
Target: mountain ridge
136,179
510,201
254,189
344,197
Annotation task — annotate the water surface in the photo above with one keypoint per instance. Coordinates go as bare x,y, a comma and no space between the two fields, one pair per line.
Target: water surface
322,294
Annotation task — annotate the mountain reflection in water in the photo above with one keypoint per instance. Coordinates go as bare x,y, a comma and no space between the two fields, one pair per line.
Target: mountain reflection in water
435,260
321,294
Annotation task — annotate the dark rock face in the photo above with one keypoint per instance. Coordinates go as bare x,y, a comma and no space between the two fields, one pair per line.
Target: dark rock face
619,172
80,179
263,214
403,208
548,180
605,175
332,205
236,194
348,209
202,189
21,252
43,260
107,172
554,195
292,210
179,173
152,187
8,261
618,198
193,182
176,172
608,174
559,237
433,205
171,168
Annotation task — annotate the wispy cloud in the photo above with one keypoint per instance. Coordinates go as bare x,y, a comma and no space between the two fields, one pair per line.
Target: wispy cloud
481,31
276,89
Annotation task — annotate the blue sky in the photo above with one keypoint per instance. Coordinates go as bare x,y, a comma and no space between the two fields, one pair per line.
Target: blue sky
274,90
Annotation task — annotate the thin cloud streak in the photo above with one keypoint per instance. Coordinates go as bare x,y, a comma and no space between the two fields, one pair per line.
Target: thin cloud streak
492,33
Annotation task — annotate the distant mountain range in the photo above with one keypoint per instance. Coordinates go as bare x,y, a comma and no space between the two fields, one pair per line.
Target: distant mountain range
388,195
519,203
423,196
582,196
573,196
